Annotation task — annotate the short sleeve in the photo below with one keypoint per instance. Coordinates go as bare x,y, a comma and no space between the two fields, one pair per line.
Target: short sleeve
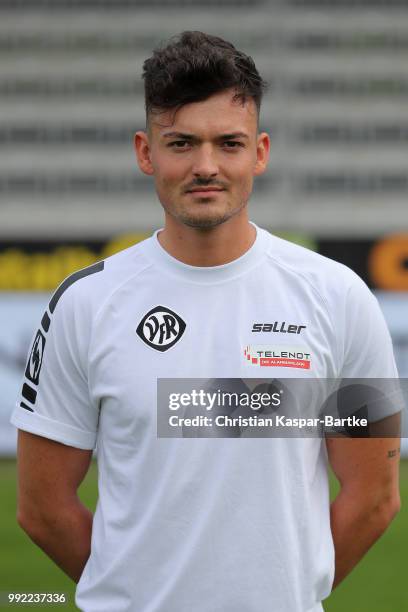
55,401
368,351
369,373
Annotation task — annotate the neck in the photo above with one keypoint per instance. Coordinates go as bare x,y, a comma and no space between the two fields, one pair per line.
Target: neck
210,246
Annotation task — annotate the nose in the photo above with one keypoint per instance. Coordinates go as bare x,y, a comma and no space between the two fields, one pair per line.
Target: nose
205,163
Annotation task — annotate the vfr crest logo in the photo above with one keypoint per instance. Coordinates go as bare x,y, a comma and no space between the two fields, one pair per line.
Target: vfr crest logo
161,328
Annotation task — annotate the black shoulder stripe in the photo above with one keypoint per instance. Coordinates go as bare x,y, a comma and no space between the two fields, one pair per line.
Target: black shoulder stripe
29,393
45,322
98,267
23,405
32,372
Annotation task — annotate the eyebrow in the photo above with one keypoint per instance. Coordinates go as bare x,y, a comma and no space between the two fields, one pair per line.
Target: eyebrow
192,137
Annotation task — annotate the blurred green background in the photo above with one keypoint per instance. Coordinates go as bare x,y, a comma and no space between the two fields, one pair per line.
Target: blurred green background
376,585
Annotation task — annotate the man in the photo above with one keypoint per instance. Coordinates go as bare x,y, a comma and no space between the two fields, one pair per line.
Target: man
210,524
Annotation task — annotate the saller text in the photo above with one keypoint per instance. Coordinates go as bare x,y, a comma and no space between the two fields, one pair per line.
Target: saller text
278,327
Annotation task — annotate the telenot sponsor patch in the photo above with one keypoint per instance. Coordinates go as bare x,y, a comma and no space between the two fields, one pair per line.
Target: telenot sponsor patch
266,355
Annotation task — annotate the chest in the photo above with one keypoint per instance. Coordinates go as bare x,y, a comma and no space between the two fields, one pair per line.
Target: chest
244,330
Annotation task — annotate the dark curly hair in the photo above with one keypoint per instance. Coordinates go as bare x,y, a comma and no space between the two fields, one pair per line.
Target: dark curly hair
192,67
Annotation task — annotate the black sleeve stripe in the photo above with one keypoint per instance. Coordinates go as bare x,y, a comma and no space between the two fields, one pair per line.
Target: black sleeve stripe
23,405
34,364
45,322
98,267
29,393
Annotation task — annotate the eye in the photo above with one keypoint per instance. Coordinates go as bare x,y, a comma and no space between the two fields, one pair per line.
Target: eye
233,144
178,144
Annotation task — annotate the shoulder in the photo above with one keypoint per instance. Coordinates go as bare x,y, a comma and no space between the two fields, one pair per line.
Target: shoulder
89,287
329,278
360,336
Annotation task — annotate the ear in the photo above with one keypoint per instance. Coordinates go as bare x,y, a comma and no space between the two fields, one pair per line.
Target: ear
262,153
142,148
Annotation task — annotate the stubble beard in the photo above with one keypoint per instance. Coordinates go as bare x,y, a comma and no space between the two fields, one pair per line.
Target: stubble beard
203,222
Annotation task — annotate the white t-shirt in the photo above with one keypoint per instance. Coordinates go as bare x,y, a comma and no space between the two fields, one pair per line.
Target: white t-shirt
209,524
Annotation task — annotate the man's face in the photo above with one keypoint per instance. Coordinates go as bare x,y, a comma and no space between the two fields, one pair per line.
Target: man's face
203,158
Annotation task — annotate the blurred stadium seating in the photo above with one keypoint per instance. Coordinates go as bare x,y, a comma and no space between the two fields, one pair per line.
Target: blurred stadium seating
71,97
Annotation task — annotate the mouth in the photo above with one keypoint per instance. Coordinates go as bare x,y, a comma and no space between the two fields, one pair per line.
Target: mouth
205,191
